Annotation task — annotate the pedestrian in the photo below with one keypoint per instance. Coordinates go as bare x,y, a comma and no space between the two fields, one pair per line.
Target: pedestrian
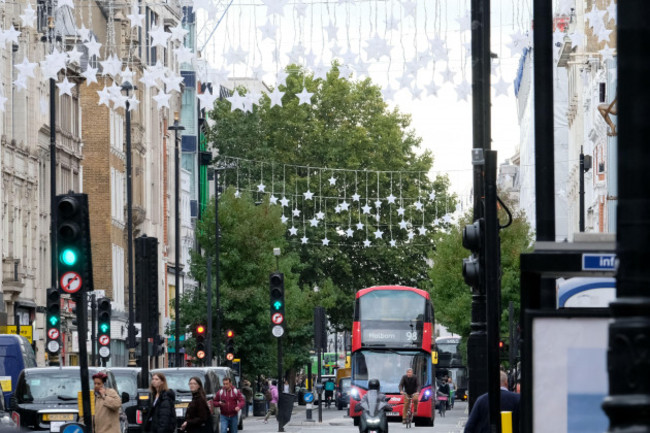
329,391
452,392
197,415
230,401
273,403
107,406
247,390
161,414
479,422
409,387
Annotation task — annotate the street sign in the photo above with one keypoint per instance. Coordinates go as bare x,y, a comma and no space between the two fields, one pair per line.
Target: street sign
73,428
53,334
230,356
53,346
104,340
599,262
277,331
200,354
70,282
309,397
277,318
104,352
25,330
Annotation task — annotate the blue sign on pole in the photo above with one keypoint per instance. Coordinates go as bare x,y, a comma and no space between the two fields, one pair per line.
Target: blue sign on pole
309,397
73,428
599,262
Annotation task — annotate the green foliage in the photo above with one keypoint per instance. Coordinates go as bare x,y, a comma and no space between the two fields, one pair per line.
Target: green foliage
452,297
348,128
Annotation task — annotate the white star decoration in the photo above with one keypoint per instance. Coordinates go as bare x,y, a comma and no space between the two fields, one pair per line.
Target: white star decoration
304,96
65,87
308,195
276,97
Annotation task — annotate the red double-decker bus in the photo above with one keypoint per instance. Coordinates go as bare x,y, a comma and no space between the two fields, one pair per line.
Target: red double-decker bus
392,332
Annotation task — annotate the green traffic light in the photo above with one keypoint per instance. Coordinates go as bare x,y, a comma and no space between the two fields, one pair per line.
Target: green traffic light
104,327
277,305
68,257
53,320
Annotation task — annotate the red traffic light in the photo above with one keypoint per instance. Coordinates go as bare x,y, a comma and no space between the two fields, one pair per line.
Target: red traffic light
501,344
230,333
200,329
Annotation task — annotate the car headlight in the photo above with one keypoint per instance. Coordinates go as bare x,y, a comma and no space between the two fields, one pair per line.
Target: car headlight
373,421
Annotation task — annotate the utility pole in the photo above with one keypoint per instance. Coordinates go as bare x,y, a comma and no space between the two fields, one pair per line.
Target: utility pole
481,68
628,403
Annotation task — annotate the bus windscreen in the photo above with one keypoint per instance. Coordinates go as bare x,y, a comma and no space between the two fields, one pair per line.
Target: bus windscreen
389,367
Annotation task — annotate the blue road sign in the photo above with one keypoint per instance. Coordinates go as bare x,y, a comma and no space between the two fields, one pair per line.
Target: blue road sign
73,428
599,262
309,397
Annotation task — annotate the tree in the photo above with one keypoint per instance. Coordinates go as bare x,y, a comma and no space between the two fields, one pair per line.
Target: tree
249,232
348,131
452,298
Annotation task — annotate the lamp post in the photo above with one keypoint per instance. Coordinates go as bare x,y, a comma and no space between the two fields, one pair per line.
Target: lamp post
216,273
126,88
177,241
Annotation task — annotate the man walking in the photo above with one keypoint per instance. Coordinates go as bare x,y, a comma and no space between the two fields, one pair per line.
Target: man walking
479,418
230,401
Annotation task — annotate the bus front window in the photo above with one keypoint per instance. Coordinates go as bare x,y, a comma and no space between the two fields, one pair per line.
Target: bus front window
388,367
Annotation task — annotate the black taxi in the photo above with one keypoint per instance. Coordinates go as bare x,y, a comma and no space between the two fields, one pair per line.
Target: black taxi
47,397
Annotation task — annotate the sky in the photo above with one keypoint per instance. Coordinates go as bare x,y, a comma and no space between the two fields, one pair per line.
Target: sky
443,120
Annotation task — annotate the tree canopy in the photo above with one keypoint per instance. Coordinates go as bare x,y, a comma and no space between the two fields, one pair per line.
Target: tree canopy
348,133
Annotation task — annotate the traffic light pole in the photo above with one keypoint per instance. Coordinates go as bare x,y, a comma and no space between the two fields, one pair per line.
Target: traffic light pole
82,325
493,289
209,295
93,334
477,342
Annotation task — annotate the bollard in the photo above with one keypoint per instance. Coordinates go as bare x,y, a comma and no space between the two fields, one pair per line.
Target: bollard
308,413
506,422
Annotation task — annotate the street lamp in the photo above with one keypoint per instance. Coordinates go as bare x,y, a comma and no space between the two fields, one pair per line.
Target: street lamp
126,88
177,250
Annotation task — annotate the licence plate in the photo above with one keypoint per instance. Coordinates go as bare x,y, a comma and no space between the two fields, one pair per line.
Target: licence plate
58,417
180,412
56,426
393,414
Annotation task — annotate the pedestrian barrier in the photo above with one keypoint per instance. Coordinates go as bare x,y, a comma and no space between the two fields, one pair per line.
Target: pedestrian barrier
506,422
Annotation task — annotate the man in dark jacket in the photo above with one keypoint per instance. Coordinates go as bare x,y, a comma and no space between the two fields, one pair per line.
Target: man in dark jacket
409,388
479,418
230,401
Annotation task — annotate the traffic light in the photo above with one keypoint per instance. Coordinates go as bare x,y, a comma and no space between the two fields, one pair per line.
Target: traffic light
474,265
104,327
53,309
504,351
199,335
74,261
230,345
276,280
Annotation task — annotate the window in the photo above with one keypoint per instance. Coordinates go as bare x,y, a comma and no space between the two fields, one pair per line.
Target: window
117,195
117,132
118,276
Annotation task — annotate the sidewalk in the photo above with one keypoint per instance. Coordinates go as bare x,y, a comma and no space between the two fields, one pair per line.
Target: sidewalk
299,417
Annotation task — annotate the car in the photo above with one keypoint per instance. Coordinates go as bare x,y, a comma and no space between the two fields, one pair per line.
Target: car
127,379
178,380
223,372
46,397
342,392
